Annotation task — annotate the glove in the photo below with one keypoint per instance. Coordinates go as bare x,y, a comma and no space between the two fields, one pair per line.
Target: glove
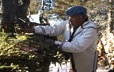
25,30
28,30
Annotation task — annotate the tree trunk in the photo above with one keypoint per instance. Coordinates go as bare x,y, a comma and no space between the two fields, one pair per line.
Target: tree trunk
14,11
112,16
8,16
21,13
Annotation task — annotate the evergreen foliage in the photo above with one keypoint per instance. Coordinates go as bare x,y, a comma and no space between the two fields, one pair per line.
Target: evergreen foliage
28,53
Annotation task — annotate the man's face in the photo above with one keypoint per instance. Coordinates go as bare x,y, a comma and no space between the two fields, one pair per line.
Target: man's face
76,20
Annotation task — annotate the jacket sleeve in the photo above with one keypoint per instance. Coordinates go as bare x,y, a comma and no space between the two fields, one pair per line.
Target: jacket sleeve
81,43
51,30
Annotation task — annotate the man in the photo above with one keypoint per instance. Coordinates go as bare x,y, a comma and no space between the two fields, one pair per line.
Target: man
80,38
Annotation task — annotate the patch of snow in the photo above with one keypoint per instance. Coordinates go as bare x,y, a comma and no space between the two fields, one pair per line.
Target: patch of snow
52,18
65,67
35,17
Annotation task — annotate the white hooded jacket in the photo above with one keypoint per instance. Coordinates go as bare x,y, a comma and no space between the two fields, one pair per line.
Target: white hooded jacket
83,46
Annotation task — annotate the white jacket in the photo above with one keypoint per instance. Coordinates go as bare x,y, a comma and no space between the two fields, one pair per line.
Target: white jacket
83,46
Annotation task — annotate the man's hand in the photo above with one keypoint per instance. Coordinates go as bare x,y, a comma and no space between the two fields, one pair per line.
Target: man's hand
53,42
58,42
28,30
25,30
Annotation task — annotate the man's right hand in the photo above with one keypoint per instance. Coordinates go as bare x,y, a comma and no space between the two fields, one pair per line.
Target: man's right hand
28,30
25,30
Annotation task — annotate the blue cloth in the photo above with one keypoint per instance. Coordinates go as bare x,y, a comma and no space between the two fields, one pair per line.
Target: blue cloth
76,10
